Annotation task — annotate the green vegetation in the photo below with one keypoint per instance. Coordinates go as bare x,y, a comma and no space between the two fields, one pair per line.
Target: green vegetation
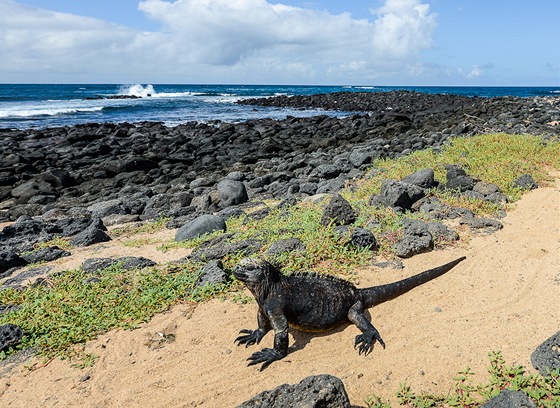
543,390
61,242
144,228
496,158
74,307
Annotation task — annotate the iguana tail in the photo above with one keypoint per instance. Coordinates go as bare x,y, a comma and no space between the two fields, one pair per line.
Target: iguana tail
379,294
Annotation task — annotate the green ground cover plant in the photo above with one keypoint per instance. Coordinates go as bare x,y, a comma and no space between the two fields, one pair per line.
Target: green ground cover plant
544,391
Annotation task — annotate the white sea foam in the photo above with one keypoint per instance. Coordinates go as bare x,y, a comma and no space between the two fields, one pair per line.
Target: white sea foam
28,113
137,90
149,91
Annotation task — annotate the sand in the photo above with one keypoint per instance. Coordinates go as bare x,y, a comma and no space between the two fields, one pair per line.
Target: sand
505,296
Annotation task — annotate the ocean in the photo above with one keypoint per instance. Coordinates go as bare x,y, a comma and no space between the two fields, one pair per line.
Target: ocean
40,106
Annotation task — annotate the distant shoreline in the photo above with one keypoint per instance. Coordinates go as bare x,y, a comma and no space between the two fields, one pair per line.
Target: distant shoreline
44,106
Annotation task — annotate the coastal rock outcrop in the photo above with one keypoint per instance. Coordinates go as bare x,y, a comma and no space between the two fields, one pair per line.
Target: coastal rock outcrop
322,390
156,170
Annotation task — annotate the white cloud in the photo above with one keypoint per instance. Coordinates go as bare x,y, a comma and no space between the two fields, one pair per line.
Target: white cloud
403,27
476,72
216,40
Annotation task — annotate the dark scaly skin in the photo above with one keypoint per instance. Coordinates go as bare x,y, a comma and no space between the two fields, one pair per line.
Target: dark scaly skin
311,302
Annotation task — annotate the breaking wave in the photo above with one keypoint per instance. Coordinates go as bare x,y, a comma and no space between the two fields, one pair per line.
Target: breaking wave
26,113
137,90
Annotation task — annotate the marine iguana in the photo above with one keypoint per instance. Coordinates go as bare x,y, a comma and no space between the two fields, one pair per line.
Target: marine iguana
311,302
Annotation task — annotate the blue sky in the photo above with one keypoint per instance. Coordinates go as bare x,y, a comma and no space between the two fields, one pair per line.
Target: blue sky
376,42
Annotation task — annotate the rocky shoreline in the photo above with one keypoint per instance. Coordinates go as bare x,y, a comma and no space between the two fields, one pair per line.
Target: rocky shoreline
70,178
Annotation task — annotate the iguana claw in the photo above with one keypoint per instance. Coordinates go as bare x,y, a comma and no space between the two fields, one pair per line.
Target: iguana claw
265,356
249,337
364,342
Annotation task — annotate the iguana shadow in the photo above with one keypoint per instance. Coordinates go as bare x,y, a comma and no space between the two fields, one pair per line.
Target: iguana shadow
302,338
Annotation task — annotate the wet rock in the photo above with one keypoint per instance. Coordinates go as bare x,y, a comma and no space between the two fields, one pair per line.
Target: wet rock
547,355
204,224
323,390
338,211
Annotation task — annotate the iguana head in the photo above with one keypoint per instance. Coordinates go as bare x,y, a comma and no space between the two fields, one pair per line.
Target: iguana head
255,272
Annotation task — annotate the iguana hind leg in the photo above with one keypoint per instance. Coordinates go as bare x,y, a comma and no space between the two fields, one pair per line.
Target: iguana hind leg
364,342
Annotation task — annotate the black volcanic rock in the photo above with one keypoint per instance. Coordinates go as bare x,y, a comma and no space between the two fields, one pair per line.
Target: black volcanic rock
79,166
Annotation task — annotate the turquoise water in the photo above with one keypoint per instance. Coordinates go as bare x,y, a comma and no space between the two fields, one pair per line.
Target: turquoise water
25,106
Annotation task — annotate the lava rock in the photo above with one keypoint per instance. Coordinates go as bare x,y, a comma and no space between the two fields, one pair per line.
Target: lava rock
363,238
547,355
232,192
323,390
211,274
91,235
457,179
204,224
10,336
397,194
481,225
525,182
338,211
31,188
9,260
509,399
105,208
220,250
92,265
417,239
231,212
423,178
45,254
19,280
286,245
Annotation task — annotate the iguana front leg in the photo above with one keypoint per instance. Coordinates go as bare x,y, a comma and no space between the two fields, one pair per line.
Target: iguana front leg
250,337
365,341
280,350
